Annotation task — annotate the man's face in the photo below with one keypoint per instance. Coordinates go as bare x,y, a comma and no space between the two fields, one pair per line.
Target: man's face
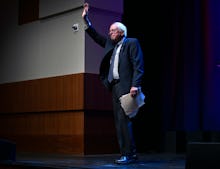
115,33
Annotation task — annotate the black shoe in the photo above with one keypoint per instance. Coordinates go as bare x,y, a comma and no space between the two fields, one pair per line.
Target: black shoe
126,159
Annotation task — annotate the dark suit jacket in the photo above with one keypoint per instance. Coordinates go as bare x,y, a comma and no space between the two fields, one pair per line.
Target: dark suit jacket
131,63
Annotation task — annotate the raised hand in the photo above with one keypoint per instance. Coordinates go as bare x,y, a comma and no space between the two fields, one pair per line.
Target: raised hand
85,10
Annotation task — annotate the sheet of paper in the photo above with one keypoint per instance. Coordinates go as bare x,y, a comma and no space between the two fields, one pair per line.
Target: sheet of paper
131,104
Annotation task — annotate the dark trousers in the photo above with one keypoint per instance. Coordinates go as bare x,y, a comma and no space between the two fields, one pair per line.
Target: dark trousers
123,124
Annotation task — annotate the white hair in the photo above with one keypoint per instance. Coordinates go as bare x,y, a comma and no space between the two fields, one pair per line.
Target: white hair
121,27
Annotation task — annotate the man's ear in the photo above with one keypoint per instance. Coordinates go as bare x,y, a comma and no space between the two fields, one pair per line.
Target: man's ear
122,34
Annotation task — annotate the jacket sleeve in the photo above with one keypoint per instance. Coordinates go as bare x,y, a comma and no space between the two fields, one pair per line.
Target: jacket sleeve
98,38
136,56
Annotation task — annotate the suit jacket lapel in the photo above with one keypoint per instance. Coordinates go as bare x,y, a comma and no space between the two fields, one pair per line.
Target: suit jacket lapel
122,49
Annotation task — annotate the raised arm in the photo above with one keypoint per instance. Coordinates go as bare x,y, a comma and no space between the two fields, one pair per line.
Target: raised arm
85,14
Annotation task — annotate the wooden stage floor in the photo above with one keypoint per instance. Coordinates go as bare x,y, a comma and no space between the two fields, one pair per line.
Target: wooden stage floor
100,161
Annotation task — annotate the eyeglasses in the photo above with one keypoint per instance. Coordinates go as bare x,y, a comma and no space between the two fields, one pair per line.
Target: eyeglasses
113,31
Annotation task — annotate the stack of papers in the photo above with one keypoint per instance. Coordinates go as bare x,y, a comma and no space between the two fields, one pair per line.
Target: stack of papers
131,104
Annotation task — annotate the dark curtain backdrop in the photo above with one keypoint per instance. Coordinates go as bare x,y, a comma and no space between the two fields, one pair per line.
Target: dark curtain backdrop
191,75
211,96
181,44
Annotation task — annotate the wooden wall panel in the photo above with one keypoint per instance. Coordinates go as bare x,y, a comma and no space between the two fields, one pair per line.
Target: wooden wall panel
48,115
100,130
97,97
99,120
55,123
40,95
57,132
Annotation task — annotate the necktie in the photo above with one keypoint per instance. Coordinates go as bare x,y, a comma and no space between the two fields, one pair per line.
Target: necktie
110,73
